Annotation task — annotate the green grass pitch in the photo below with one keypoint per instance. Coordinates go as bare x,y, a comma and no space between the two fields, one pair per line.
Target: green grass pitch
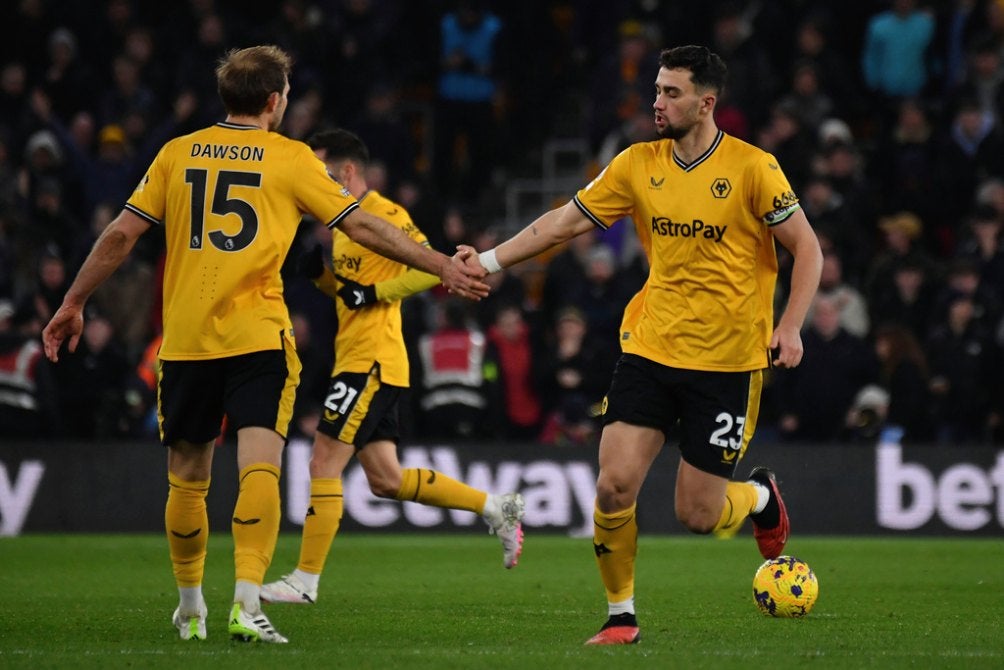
444,601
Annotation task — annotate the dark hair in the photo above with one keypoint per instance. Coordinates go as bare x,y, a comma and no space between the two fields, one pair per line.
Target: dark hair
707,69
340,144
245,78
903,346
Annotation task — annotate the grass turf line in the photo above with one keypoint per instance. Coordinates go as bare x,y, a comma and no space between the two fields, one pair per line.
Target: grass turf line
444,601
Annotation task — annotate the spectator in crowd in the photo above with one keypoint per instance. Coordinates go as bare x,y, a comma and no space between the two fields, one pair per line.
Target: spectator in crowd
365,36
894,58
816,396
514,351
141,390
990,193
901,233
142,48
68,79
972,150
574,376
52,224
963,279
455,392
28,406
14,114
386,134
92,383
833,218
903,374
10,272
906,162
840,160
984,76
51,282
965,368
753,86
304,115
813,45
565,270
44,159
623,82
603,294
786,137
983,244
196,60
805,95
851,308
466,151
129,93
9,194
907,300
952,39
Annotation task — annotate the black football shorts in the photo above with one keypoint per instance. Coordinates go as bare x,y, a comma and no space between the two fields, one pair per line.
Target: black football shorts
714,413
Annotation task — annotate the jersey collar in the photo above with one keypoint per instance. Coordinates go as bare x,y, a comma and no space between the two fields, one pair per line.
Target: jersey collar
703,157
236,126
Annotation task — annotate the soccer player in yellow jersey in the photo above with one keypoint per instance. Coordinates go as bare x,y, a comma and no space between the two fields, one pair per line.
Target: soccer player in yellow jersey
698,335
360,413
229,198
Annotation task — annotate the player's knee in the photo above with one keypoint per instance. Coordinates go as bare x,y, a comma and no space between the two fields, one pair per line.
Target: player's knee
321,463
612,496
384,487
698,520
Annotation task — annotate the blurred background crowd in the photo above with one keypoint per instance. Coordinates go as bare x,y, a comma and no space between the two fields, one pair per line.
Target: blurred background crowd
885,116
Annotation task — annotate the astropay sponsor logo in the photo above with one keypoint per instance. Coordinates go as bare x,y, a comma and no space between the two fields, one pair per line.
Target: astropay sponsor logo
17,494
964,496
557,494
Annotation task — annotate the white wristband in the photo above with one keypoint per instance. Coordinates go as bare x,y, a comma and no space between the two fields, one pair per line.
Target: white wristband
489,262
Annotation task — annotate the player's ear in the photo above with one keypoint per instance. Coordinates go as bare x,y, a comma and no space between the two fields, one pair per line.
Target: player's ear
273,102
708,102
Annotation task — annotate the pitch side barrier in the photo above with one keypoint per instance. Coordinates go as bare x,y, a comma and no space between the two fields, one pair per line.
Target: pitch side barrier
830,489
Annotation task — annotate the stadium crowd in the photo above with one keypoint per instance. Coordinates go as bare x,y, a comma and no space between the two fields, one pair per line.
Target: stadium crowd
886,116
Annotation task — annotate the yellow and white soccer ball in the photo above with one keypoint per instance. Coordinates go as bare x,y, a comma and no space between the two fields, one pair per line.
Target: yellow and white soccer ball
785,587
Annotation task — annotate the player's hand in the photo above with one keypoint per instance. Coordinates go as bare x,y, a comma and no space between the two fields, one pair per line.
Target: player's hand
310,264
354,294
786,347
67,322
462,278
468,256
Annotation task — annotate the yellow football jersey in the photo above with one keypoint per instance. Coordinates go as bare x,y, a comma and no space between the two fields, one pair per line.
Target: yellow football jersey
705,227
230,198
373,333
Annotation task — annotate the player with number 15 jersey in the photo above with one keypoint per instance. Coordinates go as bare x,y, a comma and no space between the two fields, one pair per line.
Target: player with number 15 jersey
208,189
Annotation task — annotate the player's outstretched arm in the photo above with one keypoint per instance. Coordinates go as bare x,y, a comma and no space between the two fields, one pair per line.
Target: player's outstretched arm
111,248
550,229
387,240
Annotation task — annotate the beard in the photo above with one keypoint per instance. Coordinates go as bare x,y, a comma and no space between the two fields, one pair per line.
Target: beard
671,132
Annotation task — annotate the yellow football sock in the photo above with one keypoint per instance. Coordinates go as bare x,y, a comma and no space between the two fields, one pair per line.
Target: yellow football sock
256,521
740,498
187,525
321,524
615,541
434,488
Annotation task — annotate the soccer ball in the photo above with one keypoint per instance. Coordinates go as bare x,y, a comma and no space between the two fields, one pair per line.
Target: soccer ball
785,587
